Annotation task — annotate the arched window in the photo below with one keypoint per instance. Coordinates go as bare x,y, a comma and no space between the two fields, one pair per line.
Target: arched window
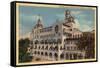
75,56
46,54
56,48
62,56
46,48
50,54
71,56
45,41
56,28
34,52
43,47
39,47
36,42
35,47
41,53
56,55
51,48
38,52
64,47
67,56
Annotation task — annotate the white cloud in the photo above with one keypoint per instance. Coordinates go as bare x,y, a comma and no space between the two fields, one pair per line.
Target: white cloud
85,28
75,12
77,24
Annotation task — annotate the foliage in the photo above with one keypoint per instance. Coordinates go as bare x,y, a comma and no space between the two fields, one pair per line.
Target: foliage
87,43
23,55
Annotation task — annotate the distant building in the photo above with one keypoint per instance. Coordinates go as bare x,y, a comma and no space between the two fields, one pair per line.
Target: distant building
56,42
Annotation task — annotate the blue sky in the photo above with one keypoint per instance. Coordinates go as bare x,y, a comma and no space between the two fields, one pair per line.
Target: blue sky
28,16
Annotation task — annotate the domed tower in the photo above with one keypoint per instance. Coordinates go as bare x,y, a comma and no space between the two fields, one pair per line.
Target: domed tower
67,16
69,19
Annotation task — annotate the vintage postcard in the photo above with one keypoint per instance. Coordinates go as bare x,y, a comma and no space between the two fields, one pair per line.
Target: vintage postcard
54,33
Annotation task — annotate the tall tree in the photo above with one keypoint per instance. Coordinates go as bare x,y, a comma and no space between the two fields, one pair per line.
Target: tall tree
23,46
87,43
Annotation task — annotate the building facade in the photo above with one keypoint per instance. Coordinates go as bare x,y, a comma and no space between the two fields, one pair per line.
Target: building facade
56,42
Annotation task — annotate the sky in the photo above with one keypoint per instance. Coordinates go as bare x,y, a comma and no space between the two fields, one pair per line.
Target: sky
28,16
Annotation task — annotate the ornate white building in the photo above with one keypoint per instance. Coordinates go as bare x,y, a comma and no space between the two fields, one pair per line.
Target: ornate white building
56,42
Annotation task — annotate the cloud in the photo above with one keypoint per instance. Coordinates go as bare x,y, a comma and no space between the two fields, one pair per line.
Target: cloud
85,28
77,24
76,12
